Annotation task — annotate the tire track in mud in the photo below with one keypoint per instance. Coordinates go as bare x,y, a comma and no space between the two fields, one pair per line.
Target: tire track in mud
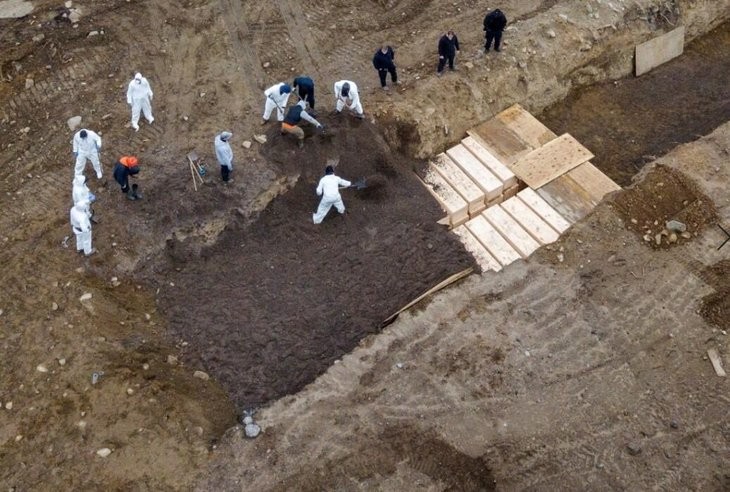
241,39
303,42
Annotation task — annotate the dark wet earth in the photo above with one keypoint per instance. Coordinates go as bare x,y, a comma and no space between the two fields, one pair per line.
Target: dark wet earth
630,122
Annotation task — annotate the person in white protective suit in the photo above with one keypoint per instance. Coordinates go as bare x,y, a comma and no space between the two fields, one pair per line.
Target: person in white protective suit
329,190
224,154
86,145
277,96
81,192
81,226
139,96
346,95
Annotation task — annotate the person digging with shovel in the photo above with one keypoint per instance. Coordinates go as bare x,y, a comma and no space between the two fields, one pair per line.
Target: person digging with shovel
329,190
126,166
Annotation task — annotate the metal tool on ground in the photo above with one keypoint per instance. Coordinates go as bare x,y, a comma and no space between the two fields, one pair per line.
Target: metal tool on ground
197,168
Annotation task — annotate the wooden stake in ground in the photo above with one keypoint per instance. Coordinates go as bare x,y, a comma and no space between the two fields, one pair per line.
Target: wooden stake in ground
192,171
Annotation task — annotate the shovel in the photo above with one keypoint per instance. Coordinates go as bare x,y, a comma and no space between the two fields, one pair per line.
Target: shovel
360,184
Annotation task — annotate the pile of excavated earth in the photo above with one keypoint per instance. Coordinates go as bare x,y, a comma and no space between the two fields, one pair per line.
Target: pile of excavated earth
217,312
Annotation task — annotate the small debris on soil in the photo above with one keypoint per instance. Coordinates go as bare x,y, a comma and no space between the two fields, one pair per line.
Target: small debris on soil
201,375
104,452
634,448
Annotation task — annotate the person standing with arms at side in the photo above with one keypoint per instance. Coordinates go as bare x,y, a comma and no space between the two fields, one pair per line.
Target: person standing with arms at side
494,23
86,145
81,226
383,63
139,95
329,190
224,154
448,48
304,87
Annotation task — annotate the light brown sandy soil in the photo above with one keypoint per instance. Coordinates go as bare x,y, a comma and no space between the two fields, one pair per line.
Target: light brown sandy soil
468,406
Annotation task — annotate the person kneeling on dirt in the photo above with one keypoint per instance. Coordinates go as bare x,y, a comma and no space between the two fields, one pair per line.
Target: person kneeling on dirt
127,165
224,154
329,190
297,113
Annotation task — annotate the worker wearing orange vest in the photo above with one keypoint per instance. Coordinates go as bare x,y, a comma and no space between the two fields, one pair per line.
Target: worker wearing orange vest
127,165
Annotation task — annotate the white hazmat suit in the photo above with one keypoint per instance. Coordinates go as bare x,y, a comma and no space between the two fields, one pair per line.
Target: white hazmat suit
329,190
81,226
81,192
87,147
344,94
277,96
139,95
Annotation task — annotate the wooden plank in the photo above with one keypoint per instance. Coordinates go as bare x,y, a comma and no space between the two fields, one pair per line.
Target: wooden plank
716,362
540,230
550,161
500,141
510,192
568,198
460,182
485,260
512,231
488,182
455,206
492,240
441,285
526,126
538,205
659,50
591,179
493,164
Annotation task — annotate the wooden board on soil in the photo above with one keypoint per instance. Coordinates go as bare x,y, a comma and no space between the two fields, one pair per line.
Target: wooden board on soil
551,161
485,260
527,127
492,240
540,230
544,210
455,206
493,164
511,230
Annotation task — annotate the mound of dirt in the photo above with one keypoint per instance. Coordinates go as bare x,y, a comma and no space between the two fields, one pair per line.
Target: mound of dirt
663,195
270,306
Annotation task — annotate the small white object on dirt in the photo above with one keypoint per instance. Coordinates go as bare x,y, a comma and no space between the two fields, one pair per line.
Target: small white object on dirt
73,122
399,365
29,83
85,297
61,361
676,226
260,138
41,368
252,430
92,33
246,144
54,306
716,362
172,360
104,452
130,391
201,375
9,405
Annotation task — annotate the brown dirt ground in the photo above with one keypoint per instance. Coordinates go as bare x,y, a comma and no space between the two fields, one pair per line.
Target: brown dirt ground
206,64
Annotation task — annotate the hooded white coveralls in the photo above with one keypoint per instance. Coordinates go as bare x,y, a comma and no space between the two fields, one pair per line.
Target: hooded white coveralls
353,96
223,151
274,99
81,226
329,190
80,191
139,95
87,148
